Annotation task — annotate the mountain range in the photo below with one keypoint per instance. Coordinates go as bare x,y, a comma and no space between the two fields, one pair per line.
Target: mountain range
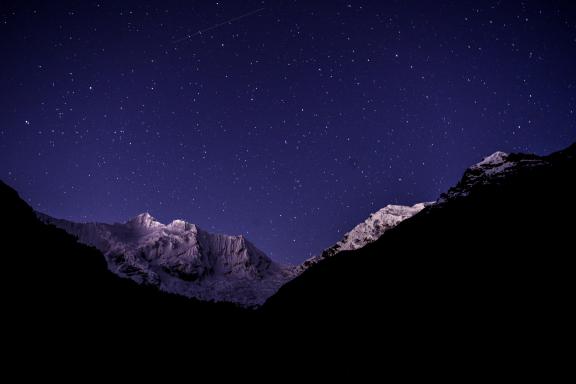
488,262
183,259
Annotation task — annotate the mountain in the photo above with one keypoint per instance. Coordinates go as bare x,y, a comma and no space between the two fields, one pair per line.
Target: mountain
184,259
488,265
368,231
53,286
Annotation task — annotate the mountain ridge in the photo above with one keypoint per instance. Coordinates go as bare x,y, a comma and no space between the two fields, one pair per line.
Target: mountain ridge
367,231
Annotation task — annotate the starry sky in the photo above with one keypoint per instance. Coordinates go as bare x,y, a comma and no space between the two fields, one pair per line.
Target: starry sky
286,121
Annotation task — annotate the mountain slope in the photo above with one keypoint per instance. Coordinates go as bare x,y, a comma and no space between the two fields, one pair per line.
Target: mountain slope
489,261
368,231
182,258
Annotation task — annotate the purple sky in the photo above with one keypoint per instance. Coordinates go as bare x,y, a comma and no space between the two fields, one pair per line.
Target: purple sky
289,125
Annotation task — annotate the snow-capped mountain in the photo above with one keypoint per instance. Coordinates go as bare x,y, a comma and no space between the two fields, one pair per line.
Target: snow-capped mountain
182,258
369,230
491,170
488,171
497,246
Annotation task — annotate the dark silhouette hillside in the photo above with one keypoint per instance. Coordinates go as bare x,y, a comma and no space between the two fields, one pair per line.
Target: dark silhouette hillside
490,265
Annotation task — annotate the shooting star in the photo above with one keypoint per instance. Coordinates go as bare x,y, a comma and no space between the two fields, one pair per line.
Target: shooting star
218,25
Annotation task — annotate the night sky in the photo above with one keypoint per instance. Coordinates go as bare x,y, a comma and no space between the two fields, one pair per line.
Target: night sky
290,123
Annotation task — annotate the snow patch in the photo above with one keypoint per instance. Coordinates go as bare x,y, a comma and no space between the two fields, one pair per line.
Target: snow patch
368,231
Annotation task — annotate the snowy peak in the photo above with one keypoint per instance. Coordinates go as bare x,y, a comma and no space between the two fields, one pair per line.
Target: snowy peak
491,165
496,158
492,169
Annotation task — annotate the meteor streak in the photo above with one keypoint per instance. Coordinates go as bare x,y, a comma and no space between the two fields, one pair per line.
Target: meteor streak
219,25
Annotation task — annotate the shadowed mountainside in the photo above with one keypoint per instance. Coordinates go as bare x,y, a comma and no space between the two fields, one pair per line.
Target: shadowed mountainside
488,263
